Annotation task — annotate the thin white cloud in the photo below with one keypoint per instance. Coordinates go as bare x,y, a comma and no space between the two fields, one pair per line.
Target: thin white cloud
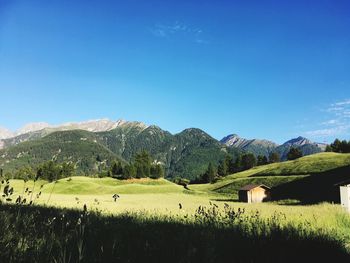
201,41
338,123
334,109
158,32
177,28
330,122
342,103
338,130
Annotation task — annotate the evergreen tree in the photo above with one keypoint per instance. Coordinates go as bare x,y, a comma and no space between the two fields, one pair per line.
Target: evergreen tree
336,146
344,146
67,169
329,148
274,157
98,158
117,168
294,153
25,173
157,171
262,160
237,166
210,174
142,162
129,171
339,146
248,161
222,168
51,171
230,164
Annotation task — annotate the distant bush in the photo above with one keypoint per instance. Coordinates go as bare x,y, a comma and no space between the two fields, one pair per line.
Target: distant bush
181,181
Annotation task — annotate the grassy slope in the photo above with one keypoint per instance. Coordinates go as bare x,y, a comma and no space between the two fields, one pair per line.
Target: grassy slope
135,195
278,173
81,185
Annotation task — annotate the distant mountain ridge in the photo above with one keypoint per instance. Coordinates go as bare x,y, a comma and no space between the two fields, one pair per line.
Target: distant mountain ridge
185,154
298,141
97,125
235,141
91,145
32,131
265,147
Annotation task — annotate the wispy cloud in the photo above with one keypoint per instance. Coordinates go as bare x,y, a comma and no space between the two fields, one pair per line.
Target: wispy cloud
342,103
338,130
338,122
177,28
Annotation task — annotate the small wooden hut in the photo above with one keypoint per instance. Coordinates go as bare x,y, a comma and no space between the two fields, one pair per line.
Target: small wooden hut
254,193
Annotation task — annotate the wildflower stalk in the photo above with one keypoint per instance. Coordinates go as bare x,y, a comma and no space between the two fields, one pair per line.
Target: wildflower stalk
48,200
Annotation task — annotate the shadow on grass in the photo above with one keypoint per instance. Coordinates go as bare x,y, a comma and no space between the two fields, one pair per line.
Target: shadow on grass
225,200
39,234
315,188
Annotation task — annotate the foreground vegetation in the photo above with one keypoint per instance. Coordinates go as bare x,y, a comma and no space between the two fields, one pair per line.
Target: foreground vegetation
39,234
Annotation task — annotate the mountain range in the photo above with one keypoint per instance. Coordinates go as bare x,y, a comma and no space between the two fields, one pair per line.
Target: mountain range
265,147
92,144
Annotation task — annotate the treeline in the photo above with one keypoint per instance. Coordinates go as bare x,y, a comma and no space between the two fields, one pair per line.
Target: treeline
50,171
141,166
339,146
242,162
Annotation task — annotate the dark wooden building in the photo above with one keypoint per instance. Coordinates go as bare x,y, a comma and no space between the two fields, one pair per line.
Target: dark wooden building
254,193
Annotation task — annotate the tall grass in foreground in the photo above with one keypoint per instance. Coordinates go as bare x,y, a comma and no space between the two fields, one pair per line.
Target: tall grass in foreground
41,234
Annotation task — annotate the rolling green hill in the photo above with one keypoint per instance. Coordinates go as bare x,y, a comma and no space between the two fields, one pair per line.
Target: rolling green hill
82,185
309,179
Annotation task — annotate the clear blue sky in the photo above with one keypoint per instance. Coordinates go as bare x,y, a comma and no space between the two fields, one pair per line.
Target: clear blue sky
261,69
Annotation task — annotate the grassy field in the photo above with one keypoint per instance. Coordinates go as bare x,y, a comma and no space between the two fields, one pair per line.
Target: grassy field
162,197
206,210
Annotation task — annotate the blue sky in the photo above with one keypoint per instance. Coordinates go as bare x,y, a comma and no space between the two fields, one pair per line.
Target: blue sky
261,69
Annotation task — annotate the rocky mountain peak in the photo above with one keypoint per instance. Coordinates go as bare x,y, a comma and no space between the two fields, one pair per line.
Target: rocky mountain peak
299,141
233,140
5,133
32,127
98,125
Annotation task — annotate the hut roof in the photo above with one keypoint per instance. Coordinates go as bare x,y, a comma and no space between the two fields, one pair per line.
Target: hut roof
249,187
343,183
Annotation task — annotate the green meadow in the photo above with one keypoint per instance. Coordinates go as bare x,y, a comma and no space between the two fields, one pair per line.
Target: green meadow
205,210
162,196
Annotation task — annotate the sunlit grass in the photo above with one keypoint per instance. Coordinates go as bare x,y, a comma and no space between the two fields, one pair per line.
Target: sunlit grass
164,198
304,166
